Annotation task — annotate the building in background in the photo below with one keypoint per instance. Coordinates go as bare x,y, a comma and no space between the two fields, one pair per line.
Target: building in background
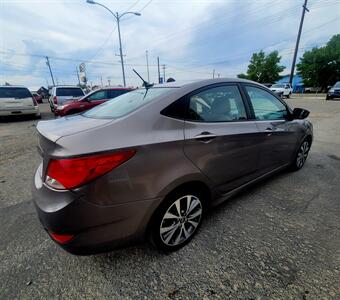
297,85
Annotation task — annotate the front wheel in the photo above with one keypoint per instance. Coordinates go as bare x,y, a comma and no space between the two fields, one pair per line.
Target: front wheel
177,220
301,155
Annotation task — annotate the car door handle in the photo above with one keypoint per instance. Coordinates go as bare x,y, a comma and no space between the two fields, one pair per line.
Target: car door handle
205,137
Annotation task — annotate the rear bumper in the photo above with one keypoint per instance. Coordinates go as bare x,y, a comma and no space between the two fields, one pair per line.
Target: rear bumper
95,228
20,111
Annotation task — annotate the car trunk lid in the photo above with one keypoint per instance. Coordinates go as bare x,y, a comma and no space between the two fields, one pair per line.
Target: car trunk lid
55,129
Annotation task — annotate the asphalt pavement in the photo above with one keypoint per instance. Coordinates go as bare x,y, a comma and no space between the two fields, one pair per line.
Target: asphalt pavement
279,239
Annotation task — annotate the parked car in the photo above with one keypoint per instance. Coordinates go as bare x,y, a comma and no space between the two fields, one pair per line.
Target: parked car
334,91
149,163
17,100
89,101
60,94
37,97
282,89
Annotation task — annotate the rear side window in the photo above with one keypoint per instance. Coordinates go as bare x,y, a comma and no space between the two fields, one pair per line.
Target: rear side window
116,93
17,93
217,104
74,92
265,105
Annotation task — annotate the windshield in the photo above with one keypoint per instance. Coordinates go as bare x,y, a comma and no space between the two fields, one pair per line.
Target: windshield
124,104
73,92
17,93
337,85
277,86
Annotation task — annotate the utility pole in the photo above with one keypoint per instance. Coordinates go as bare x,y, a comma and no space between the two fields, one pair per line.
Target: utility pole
147,64
304,9
159,72
218,75
213,73
49,66
109,81
163,66
78,76
120,49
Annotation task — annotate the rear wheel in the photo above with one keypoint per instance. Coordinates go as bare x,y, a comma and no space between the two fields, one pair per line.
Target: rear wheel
177,220
301,155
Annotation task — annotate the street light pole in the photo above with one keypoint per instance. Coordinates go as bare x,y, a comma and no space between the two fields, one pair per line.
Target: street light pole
117,17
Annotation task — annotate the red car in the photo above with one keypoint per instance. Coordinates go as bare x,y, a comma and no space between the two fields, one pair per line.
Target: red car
37,97
90,100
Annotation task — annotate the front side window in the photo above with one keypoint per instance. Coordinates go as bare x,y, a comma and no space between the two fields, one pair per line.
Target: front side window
217,104
126,103
265,105
100,95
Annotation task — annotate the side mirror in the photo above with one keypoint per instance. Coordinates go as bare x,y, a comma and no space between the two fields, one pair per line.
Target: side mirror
300,113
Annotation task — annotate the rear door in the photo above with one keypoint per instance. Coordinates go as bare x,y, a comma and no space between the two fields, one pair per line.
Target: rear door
15,98
219,138
279,136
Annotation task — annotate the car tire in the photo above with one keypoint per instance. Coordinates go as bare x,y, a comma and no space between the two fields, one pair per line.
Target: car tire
177,220
288,96
301,155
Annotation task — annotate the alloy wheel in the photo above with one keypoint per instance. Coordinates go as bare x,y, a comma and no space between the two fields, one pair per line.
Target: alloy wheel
181,220
302,154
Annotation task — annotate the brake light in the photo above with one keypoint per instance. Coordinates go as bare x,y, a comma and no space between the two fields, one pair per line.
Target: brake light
61,238
35,103
70,173
55,100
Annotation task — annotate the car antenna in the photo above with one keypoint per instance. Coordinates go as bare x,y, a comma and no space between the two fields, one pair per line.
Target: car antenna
146,84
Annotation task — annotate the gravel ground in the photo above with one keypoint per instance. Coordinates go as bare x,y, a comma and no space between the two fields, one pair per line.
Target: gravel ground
280,239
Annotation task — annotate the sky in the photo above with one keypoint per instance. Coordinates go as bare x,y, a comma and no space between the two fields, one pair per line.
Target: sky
192,38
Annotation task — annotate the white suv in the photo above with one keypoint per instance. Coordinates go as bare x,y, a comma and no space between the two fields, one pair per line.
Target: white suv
60,94
17,100
282,89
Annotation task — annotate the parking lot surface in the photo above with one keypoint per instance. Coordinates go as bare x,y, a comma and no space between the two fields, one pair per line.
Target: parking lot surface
279,239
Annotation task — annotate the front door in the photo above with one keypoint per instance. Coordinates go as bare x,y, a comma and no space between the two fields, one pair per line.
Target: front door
219,139
278,135
95,99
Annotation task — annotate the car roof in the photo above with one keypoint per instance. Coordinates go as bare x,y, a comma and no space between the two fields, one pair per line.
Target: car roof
67,86
201,83
13,86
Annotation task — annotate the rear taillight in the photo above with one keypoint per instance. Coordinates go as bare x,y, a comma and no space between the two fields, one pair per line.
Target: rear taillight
35,103
55,100
70,173
61,238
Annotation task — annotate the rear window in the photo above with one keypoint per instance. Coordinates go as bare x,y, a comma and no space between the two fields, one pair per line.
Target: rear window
124,104
16,93
74,92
